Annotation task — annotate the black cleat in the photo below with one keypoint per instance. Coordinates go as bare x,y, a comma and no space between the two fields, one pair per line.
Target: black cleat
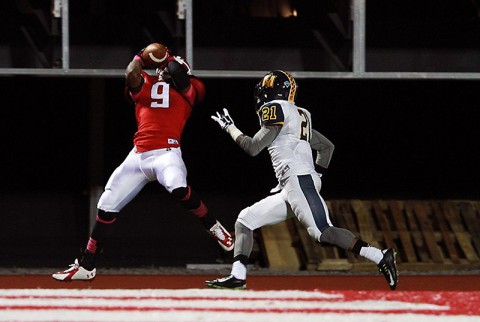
388,267
229,282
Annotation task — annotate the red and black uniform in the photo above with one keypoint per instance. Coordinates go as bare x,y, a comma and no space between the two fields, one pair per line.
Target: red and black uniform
161,112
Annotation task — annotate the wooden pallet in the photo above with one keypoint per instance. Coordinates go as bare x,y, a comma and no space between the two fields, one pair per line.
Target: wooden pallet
429,235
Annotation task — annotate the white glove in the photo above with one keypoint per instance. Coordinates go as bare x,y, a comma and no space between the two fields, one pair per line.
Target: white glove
226,123
224,120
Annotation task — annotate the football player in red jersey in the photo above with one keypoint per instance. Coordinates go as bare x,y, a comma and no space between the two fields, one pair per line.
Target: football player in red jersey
163,103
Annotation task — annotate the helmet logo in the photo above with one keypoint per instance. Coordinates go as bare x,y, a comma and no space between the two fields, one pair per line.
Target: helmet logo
286,84
269,80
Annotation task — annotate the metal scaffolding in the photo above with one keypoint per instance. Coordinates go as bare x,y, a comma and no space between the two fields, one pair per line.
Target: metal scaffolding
359,52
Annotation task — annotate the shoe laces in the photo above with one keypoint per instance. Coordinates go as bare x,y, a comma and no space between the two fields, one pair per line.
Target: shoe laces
73,266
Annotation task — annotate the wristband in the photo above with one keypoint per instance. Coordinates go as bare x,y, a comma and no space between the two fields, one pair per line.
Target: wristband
140,60
234,132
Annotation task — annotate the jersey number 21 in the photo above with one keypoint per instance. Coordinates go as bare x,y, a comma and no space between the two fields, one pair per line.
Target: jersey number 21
306,127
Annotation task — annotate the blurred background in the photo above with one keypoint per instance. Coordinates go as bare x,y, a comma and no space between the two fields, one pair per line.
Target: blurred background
395,89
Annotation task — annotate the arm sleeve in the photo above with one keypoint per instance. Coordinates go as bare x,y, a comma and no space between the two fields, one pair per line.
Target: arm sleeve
263,138
179,76
324,148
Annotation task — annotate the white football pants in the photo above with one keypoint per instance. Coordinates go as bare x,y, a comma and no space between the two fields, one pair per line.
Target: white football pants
300,197
164,165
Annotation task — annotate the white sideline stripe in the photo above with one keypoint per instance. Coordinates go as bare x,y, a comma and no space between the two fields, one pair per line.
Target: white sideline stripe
84,316
368,305
172,293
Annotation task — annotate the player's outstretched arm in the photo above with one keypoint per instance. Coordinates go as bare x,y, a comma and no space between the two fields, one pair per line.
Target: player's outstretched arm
226,123
252,146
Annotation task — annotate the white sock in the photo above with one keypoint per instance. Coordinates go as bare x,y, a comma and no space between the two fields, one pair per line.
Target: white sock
239,270
372,253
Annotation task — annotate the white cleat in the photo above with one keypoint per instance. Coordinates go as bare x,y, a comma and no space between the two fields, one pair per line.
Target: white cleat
222,236
75,272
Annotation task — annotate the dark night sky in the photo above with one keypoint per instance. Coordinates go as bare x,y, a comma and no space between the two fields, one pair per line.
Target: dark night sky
394,140
401,138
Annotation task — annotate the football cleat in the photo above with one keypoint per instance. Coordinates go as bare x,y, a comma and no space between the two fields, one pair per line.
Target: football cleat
75,272
388,267
222,236
229,282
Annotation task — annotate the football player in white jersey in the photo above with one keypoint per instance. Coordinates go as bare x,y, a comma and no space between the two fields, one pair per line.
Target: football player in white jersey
286,131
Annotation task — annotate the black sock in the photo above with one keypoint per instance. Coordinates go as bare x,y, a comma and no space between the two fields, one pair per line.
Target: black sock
242,258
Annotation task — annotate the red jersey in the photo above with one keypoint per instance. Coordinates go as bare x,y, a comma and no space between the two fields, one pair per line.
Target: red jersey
161,112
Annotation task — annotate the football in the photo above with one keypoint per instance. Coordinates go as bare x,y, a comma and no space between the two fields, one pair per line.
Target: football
154,55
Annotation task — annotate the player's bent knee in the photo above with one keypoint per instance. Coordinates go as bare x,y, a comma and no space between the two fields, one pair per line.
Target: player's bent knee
108,202
314,233
246,219
244,213
241,227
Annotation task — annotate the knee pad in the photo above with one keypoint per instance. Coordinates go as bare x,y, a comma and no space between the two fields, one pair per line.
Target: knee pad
337,236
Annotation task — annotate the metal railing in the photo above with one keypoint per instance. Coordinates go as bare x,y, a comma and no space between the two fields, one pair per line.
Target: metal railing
359,52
